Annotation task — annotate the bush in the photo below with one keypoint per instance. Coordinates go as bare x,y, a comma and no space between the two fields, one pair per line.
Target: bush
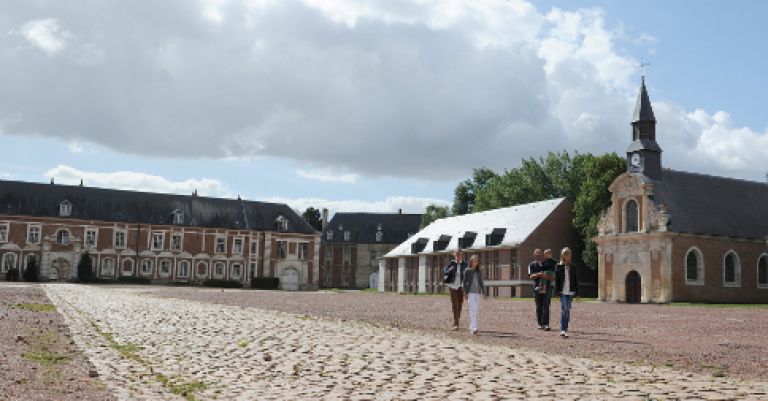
222,283
85,269
12,274
133,280
32,272
265,283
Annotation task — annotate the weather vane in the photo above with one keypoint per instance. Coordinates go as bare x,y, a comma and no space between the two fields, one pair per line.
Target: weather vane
642,66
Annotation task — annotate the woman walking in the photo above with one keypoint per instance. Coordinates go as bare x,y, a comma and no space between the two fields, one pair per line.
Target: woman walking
453,274
567,286
473,287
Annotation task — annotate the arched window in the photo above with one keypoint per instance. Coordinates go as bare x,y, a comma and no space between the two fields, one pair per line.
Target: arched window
694,267
183,269
202,269
731,270
165,267
631,216
762,271
236,271
9,261
146,266
218,269
108,267
62,237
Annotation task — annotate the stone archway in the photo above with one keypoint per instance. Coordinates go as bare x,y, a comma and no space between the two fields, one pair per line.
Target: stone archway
633,287
289,280
59,270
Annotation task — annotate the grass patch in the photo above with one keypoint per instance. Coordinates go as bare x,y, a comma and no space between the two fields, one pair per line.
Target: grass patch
44,357
242,343
36,307
708,305
181,388
375,290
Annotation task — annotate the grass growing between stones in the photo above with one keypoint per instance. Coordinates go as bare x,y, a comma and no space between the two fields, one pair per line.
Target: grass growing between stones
174,385
35,307
242,343
182,388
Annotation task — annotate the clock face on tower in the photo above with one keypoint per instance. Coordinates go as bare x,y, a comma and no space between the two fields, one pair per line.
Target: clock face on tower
636,161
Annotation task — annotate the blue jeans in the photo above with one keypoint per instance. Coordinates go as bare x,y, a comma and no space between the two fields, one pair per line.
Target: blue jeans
565,311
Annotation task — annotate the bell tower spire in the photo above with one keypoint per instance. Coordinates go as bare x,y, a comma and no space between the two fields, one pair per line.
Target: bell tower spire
644,154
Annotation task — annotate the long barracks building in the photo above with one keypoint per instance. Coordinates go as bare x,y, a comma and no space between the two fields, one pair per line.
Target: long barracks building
163,237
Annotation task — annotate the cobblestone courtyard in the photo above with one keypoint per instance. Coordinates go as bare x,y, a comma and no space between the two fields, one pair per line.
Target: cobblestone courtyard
151,348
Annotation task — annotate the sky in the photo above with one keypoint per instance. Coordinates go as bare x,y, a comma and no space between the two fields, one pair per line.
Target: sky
367,105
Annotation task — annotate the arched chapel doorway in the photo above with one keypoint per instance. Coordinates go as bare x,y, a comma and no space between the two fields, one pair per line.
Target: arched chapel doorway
632,286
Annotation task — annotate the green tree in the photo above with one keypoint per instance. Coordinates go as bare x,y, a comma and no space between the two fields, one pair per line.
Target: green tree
434,212
32,272
85,269
464,194
313,217
582,178
594,198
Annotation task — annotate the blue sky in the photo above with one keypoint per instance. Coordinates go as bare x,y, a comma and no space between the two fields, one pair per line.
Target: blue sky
368,106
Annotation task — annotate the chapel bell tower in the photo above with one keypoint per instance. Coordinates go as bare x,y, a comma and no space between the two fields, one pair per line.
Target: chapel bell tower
644,154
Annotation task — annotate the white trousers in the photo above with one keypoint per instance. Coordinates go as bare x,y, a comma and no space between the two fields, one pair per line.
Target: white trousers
474,305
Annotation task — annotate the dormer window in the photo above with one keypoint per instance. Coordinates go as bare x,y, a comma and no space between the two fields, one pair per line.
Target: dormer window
379,227
65,209
178,217
347,235
329,235
341,227
379,236
281,223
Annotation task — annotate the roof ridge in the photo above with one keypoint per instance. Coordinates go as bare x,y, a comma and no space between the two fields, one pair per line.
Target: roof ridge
719,177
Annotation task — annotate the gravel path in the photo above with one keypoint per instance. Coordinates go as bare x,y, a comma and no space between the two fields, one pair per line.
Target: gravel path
37,358
715,341
164,348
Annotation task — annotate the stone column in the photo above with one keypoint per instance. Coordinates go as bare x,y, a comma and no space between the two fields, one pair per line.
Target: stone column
382,274
400,274
422,274
600,274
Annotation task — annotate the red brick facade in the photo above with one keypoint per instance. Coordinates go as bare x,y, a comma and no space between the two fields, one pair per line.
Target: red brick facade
162,253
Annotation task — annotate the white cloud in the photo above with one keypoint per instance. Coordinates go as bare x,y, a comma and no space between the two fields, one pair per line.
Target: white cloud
130,180
389,205
367,88
326,175
47,34
75,147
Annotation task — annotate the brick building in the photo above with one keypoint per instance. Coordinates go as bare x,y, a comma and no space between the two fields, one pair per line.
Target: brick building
677,236
166,238
352,244
503,238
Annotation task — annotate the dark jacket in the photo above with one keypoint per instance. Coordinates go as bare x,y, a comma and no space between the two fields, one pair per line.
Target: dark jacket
468,277
449,272
560,279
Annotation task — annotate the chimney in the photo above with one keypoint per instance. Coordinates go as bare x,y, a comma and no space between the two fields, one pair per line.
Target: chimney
399,211
324,219
52,179
81,182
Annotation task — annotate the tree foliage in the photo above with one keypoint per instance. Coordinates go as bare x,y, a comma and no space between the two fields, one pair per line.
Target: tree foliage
466,191
314,218
582,178
85,272
434,212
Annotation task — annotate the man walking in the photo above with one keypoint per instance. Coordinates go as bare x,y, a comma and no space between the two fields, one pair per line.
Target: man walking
542,288
453,274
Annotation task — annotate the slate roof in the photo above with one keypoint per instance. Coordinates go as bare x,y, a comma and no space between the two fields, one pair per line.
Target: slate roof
710,205
98,204
515,224
362,227
643,109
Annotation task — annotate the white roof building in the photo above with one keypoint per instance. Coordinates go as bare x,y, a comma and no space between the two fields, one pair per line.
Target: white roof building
499,228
